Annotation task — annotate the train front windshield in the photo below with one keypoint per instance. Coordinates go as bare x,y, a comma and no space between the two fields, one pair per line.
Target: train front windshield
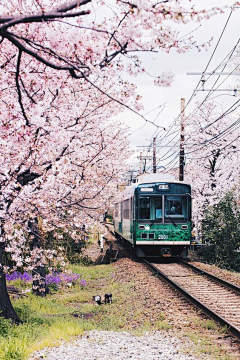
165,208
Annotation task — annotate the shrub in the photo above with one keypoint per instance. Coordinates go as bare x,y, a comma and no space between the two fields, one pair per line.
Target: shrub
60,238
80,259
5,326
221,233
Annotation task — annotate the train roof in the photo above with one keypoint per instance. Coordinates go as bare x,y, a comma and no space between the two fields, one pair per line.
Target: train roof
147,179
153,178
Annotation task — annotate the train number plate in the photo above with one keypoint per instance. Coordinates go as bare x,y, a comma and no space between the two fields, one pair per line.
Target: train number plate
162,237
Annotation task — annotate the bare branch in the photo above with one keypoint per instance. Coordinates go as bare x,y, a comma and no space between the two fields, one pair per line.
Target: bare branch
72,5
50,52
121,103
23,48
26,92
7,62
19,90
120,22
61,12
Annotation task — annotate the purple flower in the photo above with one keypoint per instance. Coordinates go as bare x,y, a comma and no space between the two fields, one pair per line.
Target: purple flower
53,279
82,282
57,278
69,278
25,277
12,277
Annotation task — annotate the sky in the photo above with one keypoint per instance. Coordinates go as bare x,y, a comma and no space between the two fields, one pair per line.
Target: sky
183,85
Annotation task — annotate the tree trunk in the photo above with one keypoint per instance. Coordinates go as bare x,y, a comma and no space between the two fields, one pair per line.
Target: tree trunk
39,286
6,309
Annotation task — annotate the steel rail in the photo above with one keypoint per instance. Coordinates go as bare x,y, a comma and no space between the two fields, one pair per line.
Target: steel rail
218,318
212,277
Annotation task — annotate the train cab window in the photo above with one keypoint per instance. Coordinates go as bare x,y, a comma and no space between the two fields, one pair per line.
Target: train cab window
144,208
158,208
175,208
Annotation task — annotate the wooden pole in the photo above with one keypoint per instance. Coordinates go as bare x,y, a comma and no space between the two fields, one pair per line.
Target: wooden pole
181,153
140,163
154,156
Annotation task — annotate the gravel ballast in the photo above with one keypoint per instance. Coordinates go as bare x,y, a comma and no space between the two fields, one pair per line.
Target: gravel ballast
105,345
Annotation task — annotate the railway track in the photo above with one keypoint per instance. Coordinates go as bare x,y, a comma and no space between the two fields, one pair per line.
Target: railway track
215,297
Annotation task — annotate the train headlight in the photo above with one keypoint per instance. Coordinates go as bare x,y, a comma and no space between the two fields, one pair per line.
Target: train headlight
147,227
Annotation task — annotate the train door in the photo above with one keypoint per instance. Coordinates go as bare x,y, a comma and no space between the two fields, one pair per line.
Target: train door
131,218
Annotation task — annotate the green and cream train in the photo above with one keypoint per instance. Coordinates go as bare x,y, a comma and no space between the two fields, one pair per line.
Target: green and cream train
153,216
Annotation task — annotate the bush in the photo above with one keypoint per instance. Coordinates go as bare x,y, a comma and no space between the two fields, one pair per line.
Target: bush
5,326
80,259
60,238
221,233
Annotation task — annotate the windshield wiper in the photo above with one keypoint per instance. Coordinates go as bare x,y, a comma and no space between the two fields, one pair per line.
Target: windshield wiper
169,217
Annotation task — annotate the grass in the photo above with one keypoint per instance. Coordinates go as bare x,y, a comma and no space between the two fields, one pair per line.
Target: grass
201,337
205,346
206,324
49,321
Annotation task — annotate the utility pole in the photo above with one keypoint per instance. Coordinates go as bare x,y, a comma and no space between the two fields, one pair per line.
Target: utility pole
181,153
140,163
154,156
144,165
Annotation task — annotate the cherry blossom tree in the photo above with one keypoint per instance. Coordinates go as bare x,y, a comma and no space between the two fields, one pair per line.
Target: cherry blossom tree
61,66
64,172
213,156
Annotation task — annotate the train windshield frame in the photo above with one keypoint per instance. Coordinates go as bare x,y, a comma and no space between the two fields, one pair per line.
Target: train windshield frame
164,208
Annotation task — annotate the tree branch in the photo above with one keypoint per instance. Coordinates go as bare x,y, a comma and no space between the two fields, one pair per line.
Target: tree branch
121,103
22,48
61,12
19,90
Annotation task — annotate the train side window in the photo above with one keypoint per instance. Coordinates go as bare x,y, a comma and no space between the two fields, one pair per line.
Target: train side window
126,209
144,208
116,210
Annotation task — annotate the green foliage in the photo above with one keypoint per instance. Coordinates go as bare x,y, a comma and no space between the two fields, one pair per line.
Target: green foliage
221,231
13,349
5,326
62,239
23,310
80,259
